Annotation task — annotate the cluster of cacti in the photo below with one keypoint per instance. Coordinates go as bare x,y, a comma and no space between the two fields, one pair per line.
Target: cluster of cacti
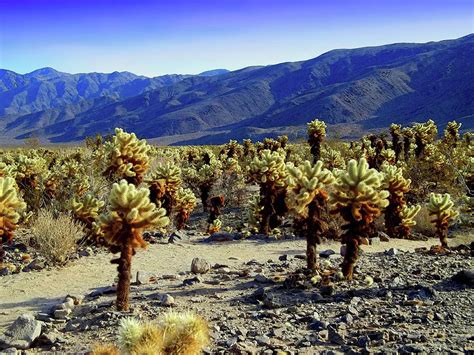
126,157
358,197
11,205
174,334
87,210
332,159
307,199
316,134
129,212
441,209
398,216
269,171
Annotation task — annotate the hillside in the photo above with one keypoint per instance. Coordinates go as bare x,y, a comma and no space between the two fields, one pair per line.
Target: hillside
367,87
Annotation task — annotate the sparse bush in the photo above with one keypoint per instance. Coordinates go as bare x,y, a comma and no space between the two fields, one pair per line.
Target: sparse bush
56,236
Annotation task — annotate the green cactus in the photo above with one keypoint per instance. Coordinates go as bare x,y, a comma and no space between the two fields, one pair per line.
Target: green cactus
397,140
408,135
397,186
128,214
307,200
407,218
425,133
316,134
185,204
451,133
11,206
87,211
359,199
441,208
269,171
127,157
164,183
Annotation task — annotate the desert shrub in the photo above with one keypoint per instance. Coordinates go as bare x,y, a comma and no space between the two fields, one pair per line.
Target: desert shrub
56,236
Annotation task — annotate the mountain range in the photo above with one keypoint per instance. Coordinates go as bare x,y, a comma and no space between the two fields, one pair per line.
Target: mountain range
354,90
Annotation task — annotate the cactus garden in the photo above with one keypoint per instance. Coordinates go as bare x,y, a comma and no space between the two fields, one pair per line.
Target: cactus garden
316,245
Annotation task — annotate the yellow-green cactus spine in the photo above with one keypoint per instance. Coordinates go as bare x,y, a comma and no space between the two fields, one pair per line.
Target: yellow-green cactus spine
129,212
269,171
451,133
127,157
441,208
316,134
359,199
425,133
11,206
407,218
87,211
397,140
307,199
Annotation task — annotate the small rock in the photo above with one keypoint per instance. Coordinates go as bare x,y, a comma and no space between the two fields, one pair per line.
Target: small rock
145,277
164,299
261,278
391,252
336,336
383,236
78,299
192,281
283,257
177,235
465,277
22,333
35,265
61,313
200,266
221,237
327,253
263,340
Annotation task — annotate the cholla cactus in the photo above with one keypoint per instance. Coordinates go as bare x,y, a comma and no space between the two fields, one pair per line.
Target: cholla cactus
451,133
358,198
307,199
185,204
164,183
333,159
232,150
425,133
389,156
203,174
441,208
11,206
87,210
215,226
269,171
127,157
174,334
128,214
397,186
407,216
316,135
397,140
408,135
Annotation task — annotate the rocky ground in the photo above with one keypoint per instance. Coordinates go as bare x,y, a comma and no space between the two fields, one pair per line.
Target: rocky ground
261,301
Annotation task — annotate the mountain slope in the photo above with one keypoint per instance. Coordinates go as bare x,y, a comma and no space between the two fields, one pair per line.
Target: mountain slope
370,87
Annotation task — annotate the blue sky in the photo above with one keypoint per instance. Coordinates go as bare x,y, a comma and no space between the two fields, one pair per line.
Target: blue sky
183,36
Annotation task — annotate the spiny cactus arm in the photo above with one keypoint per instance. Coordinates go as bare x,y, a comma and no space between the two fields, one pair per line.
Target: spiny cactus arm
408,214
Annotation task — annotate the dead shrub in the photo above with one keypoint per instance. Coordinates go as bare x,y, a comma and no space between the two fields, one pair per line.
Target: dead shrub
56,236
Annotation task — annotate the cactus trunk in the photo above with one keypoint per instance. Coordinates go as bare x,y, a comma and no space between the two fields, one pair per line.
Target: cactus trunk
442,232
350,258
205,191
124,271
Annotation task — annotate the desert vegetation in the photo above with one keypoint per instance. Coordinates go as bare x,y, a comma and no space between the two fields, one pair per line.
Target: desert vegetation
110,194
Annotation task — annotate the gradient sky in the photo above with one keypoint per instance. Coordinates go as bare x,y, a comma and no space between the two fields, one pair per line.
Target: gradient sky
189,36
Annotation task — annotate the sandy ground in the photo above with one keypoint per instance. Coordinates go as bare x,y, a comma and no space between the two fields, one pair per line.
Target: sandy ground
33,291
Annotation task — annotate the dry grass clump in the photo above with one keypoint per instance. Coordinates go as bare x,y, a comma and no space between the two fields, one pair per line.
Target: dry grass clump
56,236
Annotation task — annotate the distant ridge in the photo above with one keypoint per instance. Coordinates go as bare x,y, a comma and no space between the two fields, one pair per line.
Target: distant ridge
353,89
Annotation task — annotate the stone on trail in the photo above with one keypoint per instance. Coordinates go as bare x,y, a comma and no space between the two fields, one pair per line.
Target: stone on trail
327,253
21,333
200,266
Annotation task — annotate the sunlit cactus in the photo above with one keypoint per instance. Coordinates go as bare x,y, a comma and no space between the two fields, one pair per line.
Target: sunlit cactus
175,334
269,171
87,211
389,156
451,133
307,199
425,133
332,159
215,226
359,199
232,149
407,216
185,204
127,157
397,186
11,206
164,183
129,212
397,140
441,208
408,135
316,134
